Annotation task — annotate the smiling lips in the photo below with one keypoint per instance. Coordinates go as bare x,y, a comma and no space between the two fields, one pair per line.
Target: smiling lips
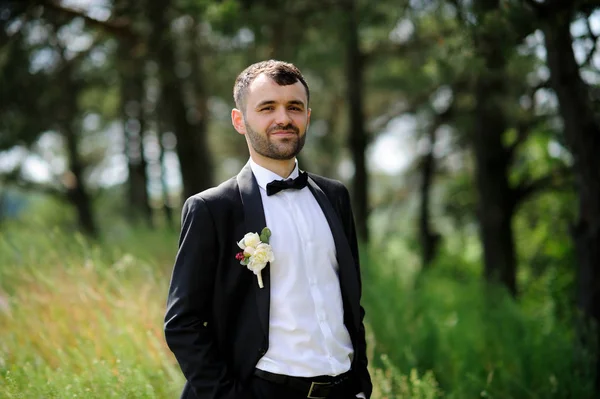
283,133
284,130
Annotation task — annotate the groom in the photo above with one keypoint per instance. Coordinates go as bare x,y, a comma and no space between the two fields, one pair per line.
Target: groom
301,335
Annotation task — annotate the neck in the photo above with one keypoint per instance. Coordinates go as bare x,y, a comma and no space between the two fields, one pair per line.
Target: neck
282,167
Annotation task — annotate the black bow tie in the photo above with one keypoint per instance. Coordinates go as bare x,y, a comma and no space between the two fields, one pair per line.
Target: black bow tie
297,184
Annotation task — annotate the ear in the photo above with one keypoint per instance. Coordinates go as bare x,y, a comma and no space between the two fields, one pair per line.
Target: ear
308,118
237,120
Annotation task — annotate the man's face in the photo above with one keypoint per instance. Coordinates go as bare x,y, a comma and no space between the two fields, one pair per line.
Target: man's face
276,118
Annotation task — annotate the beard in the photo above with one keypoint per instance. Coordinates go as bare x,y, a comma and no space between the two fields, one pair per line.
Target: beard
283,149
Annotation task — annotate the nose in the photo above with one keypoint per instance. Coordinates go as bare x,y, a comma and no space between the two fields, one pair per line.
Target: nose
282,116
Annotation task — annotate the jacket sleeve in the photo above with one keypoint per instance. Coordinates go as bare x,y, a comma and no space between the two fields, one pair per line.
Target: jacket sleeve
187,328
361,350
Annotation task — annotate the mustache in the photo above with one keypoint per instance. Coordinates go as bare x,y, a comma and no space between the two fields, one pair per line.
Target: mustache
289,126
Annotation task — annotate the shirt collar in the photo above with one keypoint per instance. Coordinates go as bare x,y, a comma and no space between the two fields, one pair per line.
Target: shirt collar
265,176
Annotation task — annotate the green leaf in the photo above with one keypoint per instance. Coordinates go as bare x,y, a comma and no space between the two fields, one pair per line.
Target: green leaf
265,234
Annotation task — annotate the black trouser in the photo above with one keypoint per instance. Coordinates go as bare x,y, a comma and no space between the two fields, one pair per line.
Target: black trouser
263,389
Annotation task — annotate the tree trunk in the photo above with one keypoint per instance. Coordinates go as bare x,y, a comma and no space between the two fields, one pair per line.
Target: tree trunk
76,190
166,203
160,125
582,131
3,203
131,66
325,163
429,238
200,120
73,180
496,198
194,157
358,137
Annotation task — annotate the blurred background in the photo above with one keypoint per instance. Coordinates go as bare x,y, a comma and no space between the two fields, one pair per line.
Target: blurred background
467,130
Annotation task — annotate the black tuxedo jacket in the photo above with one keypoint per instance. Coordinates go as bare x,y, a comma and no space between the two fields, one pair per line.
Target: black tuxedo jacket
217,318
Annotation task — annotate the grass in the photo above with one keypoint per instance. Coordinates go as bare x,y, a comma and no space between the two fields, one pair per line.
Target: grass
85,320
474,338
82,321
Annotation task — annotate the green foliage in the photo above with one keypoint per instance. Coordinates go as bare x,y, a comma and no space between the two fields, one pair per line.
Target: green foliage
474,338
20,95
389,382
224,16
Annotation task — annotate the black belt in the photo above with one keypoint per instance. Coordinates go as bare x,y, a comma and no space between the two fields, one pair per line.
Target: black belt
312,388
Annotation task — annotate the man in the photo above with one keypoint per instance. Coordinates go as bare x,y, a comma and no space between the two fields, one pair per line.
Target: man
301,335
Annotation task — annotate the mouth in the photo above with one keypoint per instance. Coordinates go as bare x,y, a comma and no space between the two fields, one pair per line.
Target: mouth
281,133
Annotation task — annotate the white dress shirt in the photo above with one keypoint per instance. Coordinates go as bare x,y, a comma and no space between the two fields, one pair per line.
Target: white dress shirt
307,335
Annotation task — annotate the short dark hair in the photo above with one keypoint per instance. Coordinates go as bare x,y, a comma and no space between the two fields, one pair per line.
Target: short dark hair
283,73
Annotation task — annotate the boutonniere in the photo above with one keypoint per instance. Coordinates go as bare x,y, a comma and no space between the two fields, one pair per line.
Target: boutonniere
256,252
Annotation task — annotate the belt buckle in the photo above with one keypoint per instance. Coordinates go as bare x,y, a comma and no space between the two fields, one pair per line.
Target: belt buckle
312,386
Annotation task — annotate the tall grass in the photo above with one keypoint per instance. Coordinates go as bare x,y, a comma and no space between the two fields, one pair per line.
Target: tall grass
474,338
81,319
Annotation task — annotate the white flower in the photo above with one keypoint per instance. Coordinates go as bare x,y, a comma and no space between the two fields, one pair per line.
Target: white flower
249,240
262,255
256,252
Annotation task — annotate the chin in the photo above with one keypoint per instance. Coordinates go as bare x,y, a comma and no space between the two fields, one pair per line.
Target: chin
285,157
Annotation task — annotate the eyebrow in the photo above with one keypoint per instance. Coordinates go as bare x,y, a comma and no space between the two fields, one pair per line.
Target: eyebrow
271,102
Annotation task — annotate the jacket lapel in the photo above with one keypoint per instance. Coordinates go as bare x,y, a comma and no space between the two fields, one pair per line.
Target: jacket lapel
346,262
254,221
